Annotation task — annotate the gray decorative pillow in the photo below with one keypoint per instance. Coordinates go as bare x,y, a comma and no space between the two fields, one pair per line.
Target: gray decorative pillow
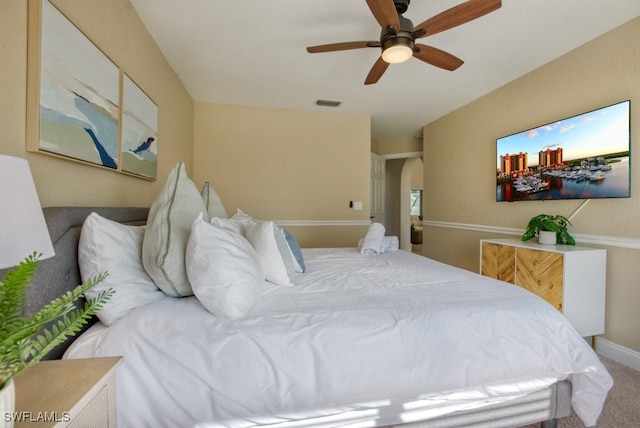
212,201
168,228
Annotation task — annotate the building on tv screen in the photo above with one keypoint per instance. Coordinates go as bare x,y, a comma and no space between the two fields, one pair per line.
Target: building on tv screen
581,157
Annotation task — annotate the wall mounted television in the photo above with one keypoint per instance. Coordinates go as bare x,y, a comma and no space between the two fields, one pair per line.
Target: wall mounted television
586,156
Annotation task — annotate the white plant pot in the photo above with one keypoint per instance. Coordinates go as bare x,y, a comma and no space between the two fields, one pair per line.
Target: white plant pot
546,237
7,405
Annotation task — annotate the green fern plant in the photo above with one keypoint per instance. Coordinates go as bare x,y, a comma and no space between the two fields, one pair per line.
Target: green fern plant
25,340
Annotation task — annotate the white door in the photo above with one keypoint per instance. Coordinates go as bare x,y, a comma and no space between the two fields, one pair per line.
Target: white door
377,188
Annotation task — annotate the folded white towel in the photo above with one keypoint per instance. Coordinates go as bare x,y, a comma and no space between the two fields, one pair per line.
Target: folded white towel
391,243
373,242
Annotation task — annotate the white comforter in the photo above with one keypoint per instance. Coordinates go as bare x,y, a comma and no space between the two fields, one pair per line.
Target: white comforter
358,337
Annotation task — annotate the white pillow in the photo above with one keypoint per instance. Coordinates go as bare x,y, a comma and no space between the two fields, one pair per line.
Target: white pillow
224,270
212,201
108,246
229,224
237,223
168,228
263,238
242,219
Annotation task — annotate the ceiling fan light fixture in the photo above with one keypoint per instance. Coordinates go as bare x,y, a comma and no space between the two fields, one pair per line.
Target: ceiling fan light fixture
398,35
397,54
397,49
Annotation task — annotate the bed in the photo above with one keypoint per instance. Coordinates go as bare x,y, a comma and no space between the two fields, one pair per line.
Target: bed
392,339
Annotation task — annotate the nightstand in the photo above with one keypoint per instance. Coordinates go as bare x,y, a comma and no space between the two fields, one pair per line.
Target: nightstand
68,393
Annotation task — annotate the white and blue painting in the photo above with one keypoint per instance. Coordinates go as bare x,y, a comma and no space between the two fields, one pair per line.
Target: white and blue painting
139,131
79,89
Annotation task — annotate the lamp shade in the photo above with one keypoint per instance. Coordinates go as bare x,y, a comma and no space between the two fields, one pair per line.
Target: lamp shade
23,230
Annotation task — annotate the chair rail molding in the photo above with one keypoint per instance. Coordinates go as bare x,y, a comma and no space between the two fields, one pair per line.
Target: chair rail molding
292,223
608,241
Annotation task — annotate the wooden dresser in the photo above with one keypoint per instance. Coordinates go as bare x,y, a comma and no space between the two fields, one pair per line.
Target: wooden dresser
571,278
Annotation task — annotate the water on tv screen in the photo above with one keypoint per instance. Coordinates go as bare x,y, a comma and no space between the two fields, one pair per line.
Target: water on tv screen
580,157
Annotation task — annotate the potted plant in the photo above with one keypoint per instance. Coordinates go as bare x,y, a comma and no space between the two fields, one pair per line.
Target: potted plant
25,340
555,225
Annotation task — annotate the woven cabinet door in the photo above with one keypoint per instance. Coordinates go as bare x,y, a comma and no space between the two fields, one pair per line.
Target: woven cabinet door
498,261
541,272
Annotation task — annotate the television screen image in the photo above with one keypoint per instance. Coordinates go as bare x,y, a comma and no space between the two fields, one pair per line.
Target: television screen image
581,157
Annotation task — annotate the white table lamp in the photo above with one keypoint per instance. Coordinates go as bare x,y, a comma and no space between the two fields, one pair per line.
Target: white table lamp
23,230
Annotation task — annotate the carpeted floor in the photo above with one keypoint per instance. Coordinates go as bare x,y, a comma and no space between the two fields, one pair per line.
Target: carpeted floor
622,408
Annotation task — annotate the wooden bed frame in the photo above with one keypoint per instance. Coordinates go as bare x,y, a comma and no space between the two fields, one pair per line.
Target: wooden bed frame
61,273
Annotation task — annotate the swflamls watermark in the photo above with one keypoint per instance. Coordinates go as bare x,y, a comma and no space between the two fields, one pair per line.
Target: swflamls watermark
36,417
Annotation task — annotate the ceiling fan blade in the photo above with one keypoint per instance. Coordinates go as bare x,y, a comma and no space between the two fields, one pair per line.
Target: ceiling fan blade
436,57
457,15
376,72
385,13
332,47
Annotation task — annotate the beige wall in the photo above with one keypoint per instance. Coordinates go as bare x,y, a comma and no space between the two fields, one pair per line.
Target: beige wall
287,165
396,146
416,176
117,30
392,193
460,157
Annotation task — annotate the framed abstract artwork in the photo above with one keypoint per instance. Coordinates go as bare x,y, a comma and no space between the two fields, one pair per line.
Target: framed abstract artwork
139,131
80,105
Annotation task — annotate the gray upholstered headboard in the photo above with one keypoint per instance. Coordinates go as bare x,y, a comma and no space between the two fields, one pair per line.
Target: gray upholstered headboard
60,273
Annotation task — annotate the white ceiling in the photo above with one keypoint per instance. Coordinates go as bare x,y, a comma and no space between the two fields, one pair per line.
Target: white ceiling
253,52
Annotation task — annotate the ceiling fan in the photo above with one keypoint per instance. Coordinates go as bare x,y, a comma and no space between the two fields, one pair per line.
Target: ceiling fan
398,35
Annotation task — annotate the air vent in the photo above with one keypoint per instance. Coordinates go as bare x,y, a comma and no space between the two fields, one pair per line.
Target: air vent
328,103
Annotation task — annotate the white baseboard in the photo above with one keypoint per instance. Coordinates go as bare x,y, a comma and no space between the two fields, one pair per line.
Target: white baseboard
617,353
